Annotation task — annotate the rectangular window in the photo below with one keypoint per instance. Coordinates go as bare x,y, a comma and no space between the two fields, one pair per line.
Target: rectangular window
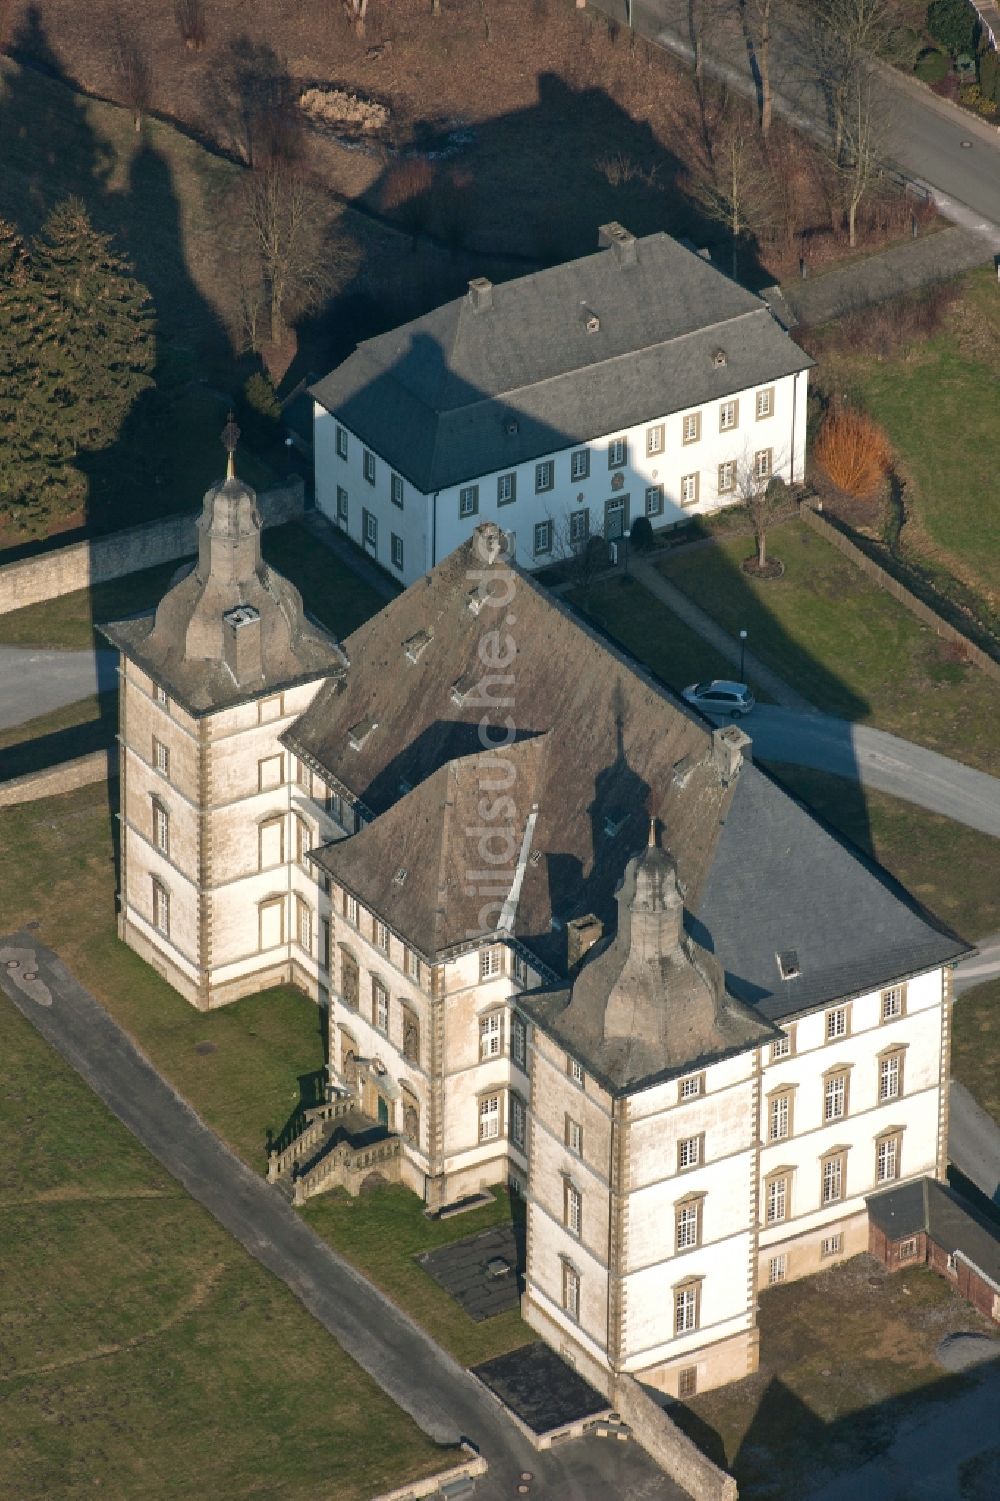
579,525
781,1047
303,776
654,500
519,1041
303,840
908,1248
370,526
489,1117
491,1035
686,1302
396,551
572,1208
303,925
727,477
571,1291
890,1077
542,537
506,489
574,1136
579,464
762,464
688,1225
161,909
161,828
835,1097
575,1071
517,1121
776,1207
691,427
833,1179
687,1382
270,773
689,490
836,1023
351,909
729,416
688,1152
269,708
831,1245
545,476
380,935
617,453
892,1003
520,969
691,1087
411,964
777,1268
396,490
887,1159
341,443
161,757
490,961
654,439
468,500
779,1117
380,1006
368,465
342,505
160,694
765,402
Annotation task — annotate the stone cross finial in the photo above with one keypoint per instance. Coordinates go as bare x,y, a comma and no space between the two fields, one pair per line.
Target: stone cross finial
230,438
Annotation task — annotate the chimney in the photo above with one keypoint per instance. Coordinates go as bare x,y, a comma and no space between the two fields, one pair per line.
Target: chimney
481,294
620,240
241,647
581,934
729,748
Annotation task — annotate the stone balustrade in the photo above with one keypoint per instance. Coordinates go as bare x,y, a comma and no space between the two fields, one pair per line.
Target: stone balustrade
348,1167
317,1118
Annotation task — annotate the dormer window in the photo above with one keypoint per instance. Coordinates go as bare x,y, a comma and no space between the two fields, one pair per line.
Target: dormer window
360,732
614,823
413,646
719,359
788,964
461,690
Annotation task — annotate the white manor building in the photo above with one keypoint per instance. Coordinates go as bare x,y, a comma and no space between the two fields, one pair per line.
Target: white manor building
566,937
638,381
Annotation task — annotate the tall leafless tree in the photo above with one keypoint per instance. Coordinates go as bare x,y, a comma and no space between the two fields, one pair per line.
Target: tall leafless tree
133,72
357,10
734,183
757,17
858,157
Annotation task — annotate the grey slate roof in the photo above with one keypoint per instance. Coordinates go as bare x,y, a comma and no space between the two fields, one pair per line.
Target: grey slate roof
435,397
758,873
934,1208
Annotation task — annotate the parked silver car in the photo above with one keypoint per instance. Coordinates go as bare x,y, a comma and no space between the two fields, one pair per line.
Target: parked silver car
720,697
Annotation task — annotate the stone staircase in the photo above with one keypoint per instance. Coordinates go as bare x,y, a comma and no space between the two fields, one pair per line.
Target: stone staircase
339,1147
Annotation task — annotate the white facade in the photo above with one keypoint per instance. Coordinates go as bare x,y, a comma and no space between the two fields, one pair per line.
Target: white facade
681,464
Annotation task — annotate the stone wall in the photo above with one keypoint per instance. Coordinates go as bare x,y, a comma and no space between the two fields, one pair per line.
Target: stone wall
434,1485
98,766
906,597
80,564
673,1451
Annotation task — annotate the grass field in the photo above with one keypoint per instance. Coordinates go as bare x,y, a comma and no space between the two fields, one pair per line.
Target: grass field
142,1352
846,1356
845,645
975,1045
663,643
382,1231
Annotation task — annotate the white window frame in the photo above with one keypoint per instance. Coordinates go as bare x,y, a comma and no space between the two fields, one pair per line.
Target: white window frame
685,1310
891,1007
574,1136
343,505
303,924
727,477
833,1179
688,1226
380,1006
341,442
518,1122
654,500
617,453
368,468
161,827
776,1207
490,961
887,1156
573,1209
380,935
654,440
689,489
396,550
763,464
579,464
396,489
836,1024
831,1245
370,528
571,1291
777,1268
541,530
491,1036
689,1152
575,1071
691,1088
161,908
545,476
579,525
507,488
835,1097
890,1070
765,403
468,501
779,1115
161,757
691,427
489,1117
729,415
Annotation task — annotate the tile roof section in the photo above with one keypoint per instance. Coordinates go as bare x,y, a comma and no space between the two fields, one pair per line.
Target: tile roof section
935,1209
435,397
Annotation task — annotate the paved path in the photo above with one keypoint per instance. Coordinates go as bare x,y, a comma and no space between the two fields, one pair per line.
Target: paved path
36,682
974,1141
985,966
419,1377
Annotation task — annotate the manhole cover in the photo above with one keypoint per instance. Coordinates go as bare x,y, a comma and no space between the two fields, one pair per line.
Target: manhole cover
205,1047
31,974
966,145
498,1266
13,964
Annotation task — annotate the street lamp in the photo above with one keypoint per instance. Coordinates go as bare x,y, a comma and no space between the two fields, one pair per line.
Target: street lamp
743,652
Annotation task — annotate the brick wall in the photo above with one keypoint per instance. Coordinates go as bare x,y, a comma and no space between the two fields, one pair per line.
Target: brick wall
66,569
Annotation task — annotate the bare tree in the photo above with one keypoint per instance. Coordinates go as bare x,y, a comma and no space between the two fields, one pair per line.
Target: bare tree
858,158
581,549
357,10
763,495
133,72
702,17
843,38
734,183
757,17
192,23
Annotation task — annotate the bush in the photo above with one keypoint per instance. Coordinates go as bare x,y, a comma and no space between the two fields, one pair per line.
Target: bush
954,24
932,66
641,534
989,76
261,396
971,95
854,451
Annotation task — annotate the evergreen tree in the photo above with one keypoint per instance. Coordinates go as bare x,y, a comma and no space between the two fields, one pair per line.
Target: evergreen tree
98,346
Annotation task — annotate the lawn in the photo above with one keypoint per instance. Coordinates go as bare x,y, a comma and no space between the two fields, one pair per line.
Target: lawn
844,644
951,869
845,1357
668,647
975,1045
142,1351
331,591
62,734
382,1231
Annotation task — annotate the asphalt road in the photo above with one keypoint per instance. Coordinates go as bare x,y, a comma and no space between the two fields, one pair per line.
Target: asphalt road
36,682
419,1376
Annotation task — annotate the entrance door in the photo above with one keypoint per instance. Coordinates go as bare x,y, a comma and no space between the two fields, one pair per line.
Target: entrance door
615,518
383,1112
